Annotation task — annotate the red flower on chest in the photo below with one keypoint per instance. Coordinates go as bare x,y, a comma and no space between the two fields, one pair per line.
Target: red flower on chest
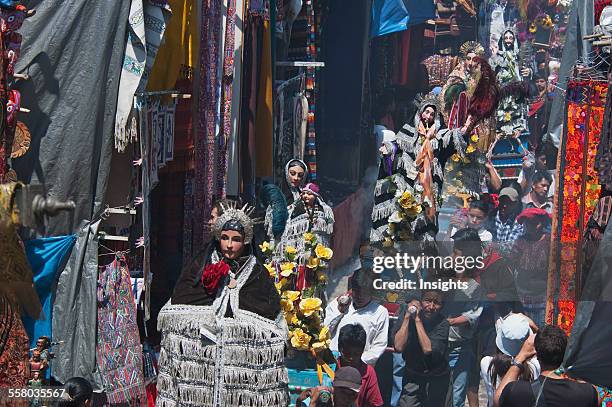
213,274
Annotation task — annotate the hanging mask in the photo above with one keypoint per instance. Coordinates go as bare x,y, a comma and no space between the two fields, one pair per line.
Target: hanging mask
12,107
13,49
11,20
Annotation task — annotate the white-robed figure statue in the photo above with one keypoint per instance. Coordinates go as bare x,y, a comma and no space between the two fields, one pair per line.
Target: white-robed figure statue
223,332
411,174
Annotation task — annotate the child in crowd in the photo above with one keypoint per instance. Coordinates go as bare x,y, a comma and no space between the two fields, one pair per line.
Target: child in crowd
351,344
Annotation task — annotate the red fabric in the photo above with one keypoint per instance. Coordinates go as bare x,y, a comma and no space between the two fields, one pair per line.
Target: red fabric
531,213
535,106
599,6
212,275
369,392
151,394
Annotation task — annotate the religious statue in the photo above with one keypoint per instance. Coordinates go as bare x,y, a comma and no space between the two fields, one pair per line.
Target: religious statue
309,214
37,364
223,328
510,114
411,174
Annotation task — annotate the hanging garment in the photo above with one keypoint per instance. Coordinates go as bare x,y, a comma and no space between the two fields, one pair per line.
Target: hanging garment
118,349
14,358
46,256
179,47
578,193
208,117
146,27
263,122
15,272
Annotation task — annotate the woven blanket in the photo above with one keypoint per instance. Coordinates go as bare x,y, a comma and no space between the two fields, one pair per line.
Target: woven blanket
118,351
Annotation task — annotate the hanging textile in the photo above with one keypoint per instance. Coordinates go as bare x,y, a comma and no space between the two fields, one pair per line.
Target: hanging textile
208,117
226,105
118,349
14,357
263,121
179,48
311,91
389,16
146,27
188,207
46,256
15,272
576,197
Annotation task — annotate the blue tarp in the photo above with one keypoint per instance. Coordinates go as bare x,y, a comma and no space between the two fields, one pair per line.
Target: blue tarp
46,256
389,16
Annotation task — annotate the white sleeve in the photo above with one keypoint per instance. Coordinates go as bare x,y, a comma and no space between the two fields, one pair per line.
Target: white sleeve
484,374
380,340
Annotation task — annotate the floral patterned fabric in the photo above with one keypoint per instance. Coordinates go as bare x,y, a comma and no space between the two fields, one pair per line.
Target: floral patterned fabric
579,191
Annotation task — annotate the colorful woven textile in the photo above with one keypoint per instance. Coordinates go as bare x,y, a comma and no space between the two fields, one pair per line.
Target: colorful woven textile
577,197
13,347
208,117
118,349
226,104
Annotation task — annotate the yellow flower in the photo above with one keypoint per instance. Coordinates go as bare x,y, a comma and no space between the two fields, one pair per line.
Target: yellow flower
533,28
265,248
313,262
300,340
309,306
470,149
280,285
324,335
456,157
323,252
392,297
310,238
507,117
291,252
270,269
288,318
287,269
286,306
474,138
291,295
406,200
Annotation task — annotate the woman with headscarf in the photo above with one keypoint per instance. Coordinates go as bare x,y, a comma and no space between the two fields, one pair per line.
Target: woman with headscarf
296,175
223,333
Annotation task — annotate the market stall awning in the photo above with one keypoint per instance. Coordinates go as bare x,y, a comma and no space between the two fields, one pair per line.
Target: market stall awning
389,16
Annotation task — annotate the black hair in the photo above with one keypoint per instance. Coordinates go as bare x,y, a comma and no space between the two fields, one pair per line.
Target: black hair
79,390
540,175
481,204
362,279
500,364
468,241
550,344
352,335
432,290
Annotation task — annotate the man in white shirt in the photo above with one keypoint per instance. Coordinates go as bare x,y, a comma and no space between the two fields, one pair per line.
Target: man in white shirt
363,310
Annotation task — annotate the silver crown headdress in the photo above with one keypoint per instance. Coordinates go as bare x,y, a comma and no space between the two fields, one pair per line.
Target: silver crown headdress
231,212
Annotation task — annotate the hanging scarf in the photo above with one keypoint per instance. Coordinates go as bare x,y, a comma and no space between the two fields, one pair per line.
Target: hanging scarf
423,162
146,26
